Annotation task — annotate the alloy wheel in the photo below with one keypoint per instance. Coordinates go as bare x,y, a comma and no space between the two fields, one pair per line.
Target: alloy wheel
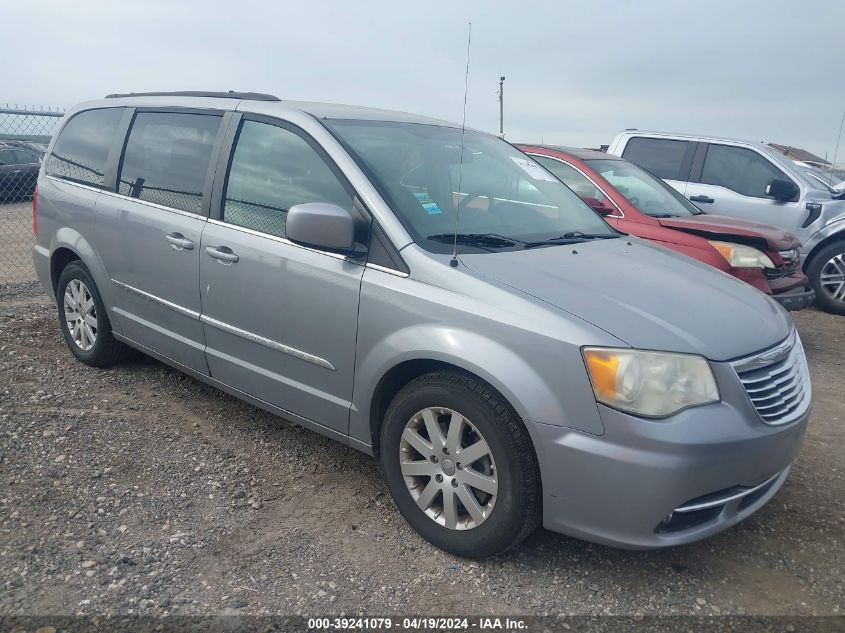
449,468
80,314
832,277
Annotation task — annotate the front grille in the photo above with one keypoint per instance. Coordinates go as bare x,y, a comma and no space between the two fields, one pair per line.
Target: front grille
790,264
777,381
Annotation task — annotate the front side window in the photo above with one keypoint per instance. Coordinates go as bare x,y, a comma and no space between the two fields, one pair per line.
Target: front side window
166,158
738,169
573,178
272,170
487,187
81,150
661,156
648,193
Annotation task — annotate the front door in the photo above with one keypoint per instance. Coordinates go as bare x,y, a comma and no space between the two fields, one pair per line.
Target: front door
280,319
733,182
148,233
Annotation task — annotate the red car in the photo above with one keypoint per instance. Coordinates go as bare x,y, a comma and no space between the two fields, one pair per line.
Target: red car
636,202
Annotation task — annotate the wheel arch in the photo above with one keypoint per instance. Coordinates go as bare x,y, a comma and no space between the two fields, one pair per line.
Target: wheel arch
69,245
838,236
59,260
384,370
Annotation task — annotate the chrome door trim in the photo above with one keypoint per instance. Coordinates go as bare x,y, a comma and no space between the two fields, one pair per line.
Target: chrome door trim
266,342
276,238
385,269
74,184
191,314
154,205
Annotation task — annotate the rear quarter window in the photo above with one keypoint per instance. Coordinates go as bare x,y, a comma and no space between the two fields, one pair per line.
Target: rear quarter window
666,158
82,147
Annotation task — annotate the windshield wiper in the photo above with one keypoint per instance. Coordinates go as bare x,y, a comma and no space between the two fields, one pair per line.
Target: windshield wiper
664,215
489,240
573,237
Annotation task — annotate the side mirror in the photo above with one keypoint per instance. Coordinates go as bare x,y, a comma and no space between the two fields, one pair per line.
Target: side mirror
322,225
782,189
599,206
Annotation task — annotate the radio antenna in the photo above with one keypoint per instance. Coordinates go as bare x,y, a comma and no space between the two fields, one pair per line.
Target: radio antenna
454,261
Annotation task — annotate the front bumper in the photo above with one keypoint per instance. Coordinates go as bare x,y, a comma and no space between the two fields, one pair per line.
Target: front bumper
796,299
630,487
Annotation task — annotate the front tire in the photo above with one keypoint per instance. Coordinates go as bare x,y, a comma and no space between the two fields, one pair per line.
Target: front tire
460,465
83,318
827,277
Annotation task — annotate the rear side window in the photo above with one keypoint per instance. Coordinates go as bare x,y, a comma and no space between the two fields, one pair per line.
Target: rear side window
739,169
80,151
663,157
166,158
272,170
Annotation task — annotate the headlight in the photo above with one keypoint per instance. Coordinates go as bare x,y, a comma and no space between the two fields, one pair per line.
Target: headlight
742,256
652,384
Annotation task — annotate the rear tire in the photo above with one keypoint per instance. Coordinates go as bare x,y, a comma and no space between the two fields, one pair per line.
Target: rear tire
827,277
83,318
475,509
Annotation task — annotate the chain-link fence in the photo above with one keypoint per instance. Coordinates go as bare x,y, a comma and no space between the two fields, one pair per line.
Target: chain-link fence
25,133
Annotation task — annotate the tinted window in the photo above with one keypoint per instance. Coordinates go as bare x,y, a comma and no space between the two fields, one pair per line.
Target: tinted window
83,145
166,158
7,157
573,178
662,157
739,169
272,170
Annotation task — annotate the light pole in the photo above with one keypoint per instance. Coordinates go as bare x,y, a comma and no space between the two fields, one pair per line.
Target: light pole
502,106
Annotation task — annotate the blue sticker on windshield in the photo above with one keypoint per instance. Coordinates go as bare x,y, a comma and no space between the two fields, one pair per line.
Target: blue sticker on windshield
428,203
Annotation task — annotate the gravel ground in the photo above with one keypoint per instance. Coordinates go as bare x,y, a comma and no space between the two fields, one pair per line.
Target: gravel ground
140,490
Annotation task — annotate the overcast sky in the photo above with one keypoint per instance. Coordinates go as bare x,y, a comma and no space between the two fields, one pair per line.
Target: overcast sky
577,72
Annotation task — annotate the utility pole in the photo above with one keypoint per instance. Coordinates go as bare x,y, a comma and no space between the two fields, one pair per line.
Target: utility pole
836,149
502,106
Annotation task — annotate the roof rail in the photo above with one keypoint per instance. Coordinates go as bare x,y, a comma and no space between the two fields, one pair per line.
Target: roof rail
231,94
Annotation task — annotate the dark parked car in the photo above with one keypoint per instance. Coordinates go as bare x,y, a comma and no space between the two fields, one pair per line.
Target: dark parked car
19,165
636,202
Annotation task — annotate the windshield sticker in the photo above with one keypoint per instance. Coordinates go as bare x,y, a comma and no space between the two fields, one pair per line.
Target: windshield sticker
533,169
428,203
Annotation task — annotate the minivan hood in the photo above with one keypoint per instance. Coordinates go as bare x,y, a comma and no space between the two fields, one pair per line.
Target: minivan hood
647,296
722,227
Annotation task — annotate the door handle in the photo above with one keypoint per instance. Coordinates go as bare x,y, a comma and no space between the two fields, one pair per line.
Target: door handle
179,242
705,199
223,253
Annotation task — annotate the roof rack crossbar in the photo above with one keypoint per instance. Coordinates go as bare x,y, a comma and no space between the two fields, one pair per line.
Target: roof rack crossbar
231,94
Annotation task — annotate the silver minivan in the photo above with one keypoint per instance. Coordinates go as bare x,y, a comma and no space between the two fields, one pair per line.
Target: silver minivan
753,181
430,296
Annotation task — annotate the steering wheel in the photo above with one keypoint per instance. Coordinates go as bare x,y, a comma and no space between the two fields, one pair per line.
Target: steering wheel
472,196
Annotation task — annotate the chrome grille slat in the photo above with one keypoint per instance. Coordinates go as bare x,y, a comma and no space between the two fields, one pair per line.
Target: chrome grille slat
777,381
765,377
783,383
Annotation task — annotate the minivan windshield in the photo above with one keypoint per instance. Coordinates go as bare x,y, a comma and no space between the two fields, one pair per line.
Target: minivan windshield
503,199
648,193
